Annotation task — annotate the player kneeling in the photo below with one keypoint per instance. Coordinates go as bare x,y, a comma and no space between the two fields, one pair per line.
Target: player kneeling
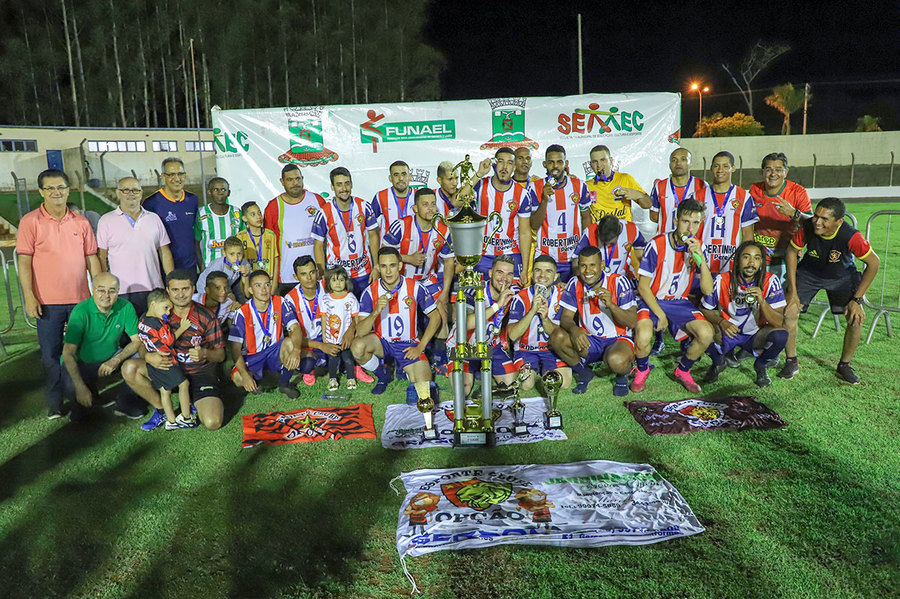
259,327
668,273
752,304
606,312
533,317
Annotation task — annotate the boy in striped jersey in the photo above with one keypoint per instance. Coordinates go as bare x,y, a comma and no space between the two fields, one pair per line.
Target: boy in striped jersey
216,222
533,317
259,327
668,273
563,213
750,313
346,233
679,186
388,308
598,315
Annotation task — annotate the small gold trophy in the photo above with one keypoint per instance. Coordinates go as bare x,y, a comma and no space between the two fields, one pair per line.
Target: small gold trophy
517,407
426,406
552,383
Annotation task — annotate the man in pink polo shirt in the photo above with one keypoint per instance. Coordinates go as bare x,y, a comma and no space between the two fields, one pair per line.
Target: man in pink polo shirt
56,248
134,242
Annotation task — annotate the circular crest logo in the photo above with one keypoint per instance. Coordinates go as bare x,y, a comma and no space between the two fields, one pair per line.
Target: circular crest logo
311,211
408,301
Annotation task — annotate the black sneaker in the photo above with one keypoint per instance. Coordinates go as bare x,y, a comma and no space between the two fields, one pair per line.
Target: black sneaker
762,377
712,375
730,361
744,355
790,368
845,373
132,412
290,391
54,414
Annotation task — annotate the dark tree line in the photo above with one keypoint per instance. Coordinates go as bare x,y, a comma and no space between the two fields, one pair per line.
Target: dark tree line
128,64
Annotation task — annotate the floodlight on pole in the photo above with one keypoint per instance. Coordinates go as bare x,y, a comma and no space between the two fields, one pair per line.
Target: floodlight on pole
700,91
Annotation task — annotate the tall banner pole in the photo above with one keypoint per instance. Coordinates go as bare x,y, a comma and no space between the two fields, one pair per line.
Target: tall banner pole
197,113
580,59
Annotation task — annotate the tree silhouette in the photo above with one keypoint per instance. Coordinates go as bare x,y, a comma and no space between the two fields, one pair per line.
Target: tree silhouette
786,99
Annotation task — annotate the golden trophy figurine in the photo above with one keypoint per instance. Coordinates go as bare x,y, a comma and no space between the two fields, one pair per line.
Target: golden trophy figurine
552,383
517,407
426,406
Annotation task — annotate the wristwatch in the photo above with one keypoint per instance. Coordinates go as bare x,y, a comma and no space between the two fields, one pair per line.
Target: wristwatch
858,300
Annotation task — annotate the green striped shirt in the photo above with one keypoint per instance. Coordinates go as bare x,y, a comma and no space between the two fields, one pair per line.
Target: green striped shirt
211,230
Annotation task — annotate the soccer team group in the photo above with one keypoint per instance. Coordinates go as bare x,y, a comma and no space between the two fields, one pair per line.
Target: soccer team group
363,288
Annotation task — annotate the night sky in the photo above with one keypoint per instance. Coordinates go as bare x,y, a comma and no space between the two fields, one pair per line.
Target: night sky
498,49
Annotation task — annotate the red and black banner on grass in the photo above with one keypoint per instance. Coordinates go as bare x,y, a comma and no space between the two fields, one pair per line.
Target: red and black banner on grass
689,415
312,424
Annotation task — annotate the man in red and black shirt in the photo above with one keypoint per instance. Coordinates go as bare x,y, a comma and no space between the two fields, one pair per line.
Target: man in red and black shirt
829,263
197,351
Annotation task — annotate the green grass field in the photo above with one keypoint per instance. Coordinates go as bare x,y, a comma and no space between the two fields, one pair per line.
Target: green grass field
102,509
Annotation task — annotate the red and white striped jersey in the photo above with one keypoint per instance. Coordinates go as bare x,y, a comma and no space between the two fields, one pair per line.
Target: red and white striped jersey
406,235
512,204
665,197
593,315
726,213
495,329
387,207
532,339
618,255
560,232
669,268
309,313
278,317
344,235
746,317
444,205
397,321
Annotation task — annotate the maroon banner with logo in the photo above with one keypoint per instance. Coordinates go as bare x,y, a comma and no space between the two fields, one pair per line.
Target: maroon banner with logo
689,415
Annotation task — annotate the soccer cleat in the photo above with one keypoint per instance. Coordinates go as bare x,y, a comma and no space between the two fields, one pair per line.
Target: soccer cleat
620,387
640,379
183,422
762,377
730,361
333,384
156,420
171,426
309,379
845,373
380,386
790,368
289,391
362,376
684,377
712,375
54,414
744,355
351,384
658,345
134,413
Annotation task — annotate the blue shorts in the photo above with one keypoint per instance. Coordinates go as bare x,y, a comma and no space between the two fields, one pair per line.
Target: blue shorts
484,265
598,346
359,285
541,362
395,349
679,313
739,340
267,359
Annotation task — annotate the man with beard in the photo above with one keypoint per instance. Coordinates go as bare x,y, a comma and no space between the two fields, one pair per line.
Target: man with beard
782,205
750,313
346,232
498,193
396,201
679,186
290,216
730,214
533,317
197,351
563,213
598,315
612,192
672,267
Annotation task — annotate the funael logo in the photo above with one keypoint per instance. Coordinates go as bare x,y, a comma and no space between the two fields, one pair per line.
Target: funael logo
590,119
373,131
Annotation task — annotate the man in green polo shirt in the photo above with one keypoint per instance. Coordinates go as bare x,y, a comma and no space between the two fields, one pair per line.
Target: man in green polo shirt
92,342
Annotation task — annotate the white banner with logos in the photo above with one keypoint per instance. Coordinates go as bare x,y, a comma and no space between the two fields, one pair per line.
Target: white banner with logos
582,504
403,426
253,145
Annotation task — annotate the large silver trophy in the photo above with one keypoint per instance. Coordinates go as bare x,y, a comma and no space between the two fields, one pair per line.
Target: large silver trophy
473,424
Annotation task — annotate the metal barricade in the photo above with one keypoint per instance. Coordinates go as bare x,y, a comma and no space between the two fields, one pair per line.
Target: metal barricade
22,201
11,306
881,305
827,310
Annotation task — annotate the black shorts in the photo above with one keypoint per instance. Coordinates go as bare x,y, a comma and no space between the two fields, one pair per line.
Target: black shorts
839,290
204,383
165,379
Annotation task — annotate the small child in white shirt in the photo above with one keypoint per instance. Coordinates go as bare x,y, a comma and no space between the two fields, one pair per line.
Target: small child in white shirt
339,309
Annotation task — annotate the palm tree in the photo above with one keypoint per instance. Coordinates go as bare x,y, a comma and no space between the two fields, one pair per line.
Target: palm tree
867,123
785,99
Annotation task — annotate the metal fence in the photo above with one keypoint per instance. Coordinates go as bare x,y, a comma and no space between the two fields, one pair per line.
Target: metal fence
12,309
885,302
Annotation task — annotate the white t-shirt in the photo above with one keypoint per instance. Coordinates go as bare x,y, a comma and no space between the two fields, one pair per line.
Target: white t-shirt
338,313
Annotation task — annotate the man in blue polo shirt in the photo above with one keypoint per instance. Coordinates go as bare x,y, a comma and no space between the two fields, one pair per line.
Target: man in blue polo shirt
177,209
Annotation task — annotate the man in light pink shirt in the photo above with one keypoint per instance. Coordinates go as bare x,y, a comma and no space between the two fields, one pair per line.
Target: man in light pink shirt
56,249
134,243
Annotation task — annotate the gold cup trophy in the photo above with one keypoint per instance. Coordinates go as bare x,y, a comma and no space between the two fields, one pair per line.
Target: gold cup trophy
552,383
473,424
517,408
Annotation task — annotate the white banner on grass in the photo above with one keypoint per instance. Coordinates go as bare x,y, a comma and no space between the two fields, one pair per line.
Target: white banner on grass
403,426
583,504
253,145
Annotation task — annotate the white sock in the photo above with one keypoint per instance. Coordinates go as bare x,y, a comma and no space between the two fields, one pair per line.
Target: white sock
372,364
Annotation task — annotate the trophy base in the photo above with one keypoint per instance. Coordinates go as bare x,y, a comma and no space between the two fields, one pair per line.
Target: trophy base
554,421
430,434
474,439
520,429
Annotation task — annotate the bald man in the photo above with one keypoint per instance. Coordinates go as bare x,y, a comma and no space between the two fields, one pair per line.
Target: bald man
92,348
132,244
